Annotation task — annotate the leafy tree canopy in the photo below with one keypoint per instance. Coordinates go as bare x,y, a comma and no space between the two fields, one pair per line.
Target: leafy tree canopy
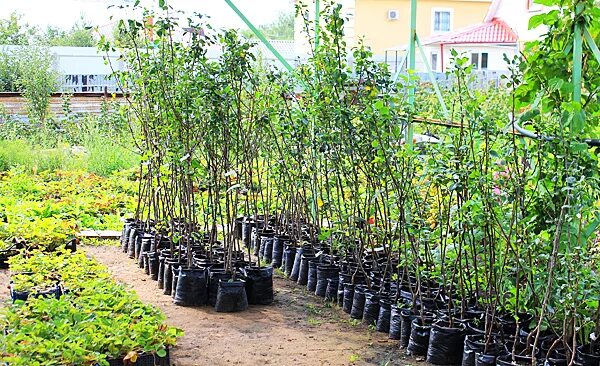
13,31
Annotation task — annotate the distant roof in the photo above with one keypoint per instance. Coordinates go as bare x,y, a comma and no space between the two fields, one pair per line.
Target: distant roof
493,32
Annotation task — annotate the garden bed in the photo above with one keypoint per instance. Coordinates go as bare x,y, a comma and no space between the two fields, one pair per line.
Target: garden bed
67,310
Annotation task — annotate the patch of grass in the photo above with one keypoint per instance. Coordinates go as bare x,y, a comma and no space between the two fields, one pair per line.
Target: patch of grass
354,358
314,321
354,322
312,309
279,273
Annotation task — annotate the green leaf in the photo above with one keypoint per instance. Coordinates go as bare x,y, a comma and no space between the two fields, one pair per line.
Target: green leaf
161,353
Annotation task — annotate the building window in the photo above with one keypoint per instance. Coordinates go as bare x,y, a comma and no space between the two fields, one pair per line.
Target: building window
434,61
479,60
475,60
484,60
442,20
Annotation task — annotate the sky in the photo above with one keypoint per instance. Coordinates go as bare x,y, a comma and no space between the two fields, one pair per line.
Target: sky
63,13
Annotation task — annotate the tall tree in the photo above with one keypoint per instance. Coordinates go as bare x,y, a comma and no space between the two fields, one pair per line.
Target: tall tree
14,32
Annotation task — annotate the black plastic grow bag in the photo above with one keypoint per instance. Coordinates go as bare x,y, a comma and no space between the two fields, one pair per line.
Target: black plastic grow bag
324,274
144,359
214,278
289,256
192,289
303,272
446,344
259,285
383,320
419,338
348,297
231,296
371,309
358,302
395,323
331,291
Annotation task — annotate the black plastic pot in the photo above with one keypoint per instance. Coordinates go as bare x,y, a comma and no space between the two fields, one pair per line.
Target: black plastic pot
237,229
348,297
125,233
279,242
419,338
133,239
145,263
231,296
331,291
262,237
175,271
303,273
266,248
371,309
342,279
247,226
145,245
215,276
473,344
407,317
588,356
192,289
484,359
507,360
143,359
395,322
298,263
324,274
358,302
161,272
168,275
289,256
446,343
153,263
383,320
311,283
259,285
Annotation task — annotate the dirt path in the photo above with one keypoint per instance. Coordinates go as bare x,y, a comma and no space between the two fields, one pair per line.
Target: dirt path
298,329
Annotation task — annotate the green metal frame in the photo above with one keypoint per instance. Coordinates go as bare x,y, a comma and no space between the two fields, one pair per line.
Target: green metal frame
260,36
436,87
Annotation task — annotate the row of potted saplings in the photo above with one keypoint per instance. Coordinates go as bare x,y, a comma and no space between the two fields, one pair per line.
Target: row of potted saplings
415,315
195,274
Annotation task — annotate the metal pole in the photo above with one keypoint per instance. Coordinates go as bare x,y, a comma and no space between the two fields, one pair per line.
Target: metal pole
577,63
260,36
436,87
590,41
411,66
317,16
313,129
578,123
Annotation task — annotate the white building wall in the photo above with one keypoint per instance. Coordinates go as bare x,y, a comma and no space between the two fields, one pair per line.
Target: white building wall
495,55
516,13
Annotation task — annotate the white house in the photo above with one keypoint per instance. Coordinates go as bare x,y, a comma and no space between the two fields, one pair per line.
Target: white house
484,44
503,32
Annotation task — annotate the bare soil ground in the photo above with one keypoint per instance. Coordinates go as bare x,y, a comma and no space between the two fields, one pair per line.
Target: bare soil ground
297,329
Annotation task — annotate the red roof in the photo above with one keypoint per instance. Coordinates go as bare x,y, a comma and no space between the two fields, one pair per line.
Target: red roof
493,32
